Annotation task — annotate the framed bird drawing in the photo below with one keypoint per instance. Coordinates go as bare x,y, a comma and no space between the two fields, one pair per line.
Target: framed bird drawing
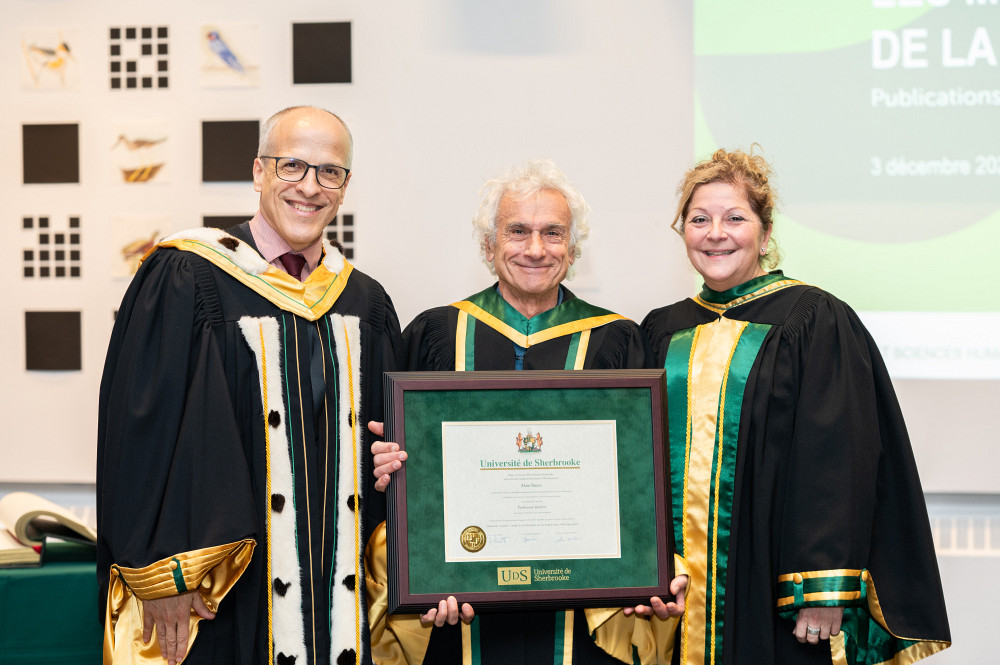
230,55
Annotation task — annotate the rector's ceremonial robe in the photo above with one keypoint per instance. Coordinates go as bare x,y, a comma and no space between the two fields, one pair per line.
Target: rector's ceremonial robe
793,482
233,458
480,333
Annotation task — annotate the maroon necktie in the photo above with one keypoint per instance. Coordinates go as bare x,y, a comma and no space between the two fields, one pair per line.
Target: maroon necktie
293,264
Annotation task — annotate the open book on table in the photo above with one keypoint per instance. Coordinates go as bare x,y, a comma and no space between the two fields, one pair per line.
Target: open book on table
28,522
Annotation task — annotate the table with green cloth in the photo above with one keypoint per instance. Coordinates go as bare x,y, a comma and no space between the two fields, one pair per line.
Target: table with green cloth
48,614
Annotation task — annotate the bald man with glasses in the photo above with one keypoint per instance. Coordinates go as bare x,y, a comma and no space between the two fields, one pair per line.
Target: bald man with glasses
235,488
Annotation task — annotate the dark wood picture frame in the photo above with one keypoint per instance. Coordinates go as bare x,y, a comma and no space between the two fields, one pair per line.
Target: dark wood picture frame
635,399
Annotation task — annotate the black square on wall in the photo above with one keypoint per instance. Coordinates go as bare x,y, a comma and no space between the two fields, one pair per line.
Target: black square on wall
52,340
228,148
321,52
51,153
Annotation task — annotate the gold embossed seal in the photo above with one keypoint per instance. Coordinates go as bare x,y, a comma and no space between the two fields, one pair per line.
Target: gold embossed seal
473,538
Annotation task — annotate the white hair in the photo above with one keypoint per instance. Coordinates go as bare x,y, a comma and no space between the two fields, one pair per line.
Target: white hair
525,180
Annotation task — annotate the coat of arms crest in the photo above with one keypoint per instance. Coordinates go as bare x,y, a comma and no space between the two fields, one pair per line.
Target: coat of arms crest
529,443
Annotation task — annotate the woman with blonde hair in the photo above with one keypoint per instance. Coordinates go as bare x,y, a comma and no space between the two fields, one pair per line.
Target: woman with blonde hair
798,512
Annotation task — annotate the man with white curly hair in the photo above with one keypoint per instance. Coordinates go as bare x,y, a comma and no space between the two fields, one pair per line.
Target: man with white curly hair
530,224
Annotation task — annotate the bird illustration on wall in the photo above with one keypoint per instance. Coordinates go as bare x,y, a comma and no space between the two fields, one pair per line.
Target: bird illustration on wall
42,59
134,250
140,166
136,144
221,49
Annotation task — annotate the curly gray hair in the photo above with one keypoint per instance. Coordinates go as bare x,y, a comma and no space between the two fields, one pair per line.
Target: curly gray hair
525,180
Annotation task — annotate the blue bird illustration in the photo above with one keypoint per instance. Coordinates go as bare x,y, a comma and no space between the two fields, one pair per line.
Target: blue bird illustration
219,47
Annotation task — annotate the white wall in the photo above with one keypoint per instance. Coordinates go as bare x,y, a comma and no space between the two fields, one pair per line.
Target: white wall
445,95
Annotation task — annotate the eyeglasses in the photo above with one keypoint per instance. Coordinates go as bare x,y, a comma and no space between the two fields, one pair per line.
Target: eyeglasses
290,169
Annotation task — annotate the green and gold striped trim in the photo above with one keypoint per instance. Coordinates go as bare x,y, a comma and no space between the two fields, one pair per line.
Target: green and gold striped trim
863,619
570,317
721,301
707,369
310,299
819,588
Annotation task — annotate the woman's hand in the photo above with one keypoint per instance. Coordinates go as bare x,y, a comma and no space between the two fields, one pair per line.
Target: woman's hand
818,623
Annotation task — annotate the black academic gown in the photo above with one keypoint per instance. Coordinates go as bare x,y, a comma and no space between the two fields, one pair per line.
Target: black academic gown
812,480
430,344
520,638
228,414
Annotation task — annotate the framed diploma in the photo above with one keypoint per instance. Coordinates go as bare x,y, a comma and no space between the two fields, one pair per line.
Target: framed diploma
541,488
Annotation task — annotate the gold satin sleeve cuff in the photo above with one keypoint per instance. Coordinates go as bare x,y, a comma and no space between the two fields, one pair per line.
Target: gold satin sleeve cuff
211,571
680,566
615,633
628,637
398,639
664,631
651,639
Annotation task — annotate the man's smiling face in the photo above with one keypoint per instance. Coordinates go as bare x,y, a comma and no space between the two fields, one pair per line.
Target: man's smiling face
532,252
300,211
